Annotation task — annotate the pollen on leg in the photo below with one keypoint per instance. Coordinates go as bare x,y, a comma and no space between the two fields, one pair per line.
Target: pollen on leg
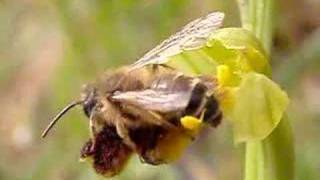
191,123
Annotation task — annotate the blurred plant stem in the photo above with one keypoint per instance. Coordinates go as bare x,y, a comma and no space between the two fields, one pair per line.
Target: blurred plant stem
306,57
273,157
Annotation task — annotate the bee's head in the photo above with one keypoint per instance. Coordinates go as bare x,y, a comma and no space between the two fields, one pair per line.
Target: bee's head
89,99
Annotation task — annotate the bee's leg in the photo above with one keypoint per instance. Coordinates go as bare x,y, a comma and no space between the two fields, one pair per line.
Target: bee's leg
156,119
155,67
123,132
93,131
149,117
166,66
149,158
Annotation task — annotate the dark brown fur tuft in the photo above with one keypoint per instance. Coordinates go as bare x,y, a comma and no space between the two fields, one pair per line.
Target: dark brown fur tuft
109,154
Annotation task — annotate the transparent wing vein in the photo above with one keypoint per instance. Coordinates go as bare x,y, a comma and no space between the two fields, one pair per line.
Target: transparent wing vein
192,36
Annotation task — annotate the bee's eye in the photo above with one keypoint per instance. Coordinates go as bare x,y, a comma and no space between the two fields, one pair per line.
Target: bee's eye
89,97
88,106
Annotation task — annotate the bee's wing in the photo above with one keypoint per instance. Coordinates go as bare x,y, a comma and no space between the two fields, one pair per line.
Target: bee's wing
193,36
157,100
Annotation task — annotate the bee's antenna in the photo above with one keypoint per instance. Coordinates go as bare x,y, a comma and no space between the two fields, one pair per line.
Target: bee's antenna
59,115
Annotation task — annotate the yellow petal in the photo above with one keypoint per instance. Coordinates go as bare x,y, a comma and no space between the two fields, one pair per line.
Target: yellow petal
223,75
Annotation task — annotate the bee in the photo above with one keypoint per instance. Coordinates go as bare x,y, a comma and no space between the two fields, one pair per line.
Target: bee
137,108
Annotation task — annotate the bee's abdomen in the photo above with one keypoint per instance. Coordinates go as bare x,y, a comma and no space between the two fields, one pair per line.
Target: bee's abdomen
212,114
200,102
197,98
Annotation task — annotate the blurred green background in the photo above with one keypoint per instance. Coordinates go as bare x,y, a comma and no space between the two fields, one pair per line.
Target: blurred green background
48,49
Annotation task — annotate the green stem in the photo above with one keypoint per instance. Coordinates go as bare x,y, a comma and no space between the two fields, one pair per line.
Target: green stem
254,161
257,16
273,157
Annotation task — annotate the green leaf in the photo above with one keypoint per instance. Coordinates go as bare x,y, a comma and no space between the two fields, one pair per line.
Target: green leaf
259,105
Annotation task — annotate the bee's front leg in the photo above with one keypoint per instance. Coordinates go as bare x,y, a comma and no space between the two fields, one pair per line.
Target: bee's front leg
123,132
93,130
